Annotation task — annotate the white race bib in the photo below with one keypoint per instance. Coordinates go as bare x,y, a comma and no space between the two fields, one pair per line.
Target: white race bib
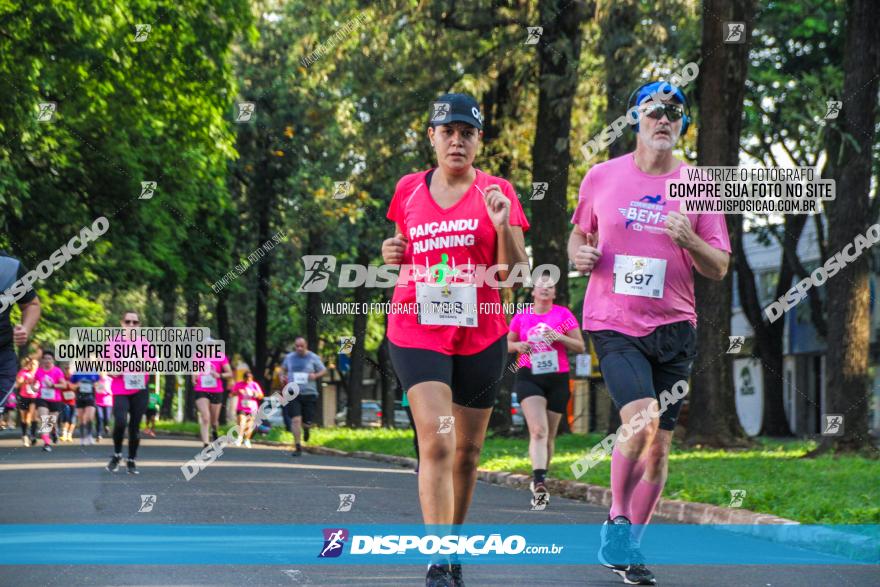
209,381
68,395
546,362
47,393
639,276
249,404
301,377
134,381
85,387
448,305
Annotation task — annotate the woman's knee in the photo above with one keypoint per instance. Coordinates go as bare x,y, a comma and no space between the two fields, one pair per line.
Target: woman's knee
538,432
438,448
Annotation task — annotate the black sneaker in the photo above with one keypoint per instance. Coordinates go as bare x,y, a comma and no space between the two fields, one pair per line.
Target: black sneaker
439,576
455,569
47,448
214,434
614,552
297,453
113,465
638,573
132,469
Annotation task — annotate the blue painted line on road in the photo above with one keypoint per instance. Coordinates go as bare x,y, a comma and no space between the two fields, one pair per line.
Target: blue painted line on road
572,544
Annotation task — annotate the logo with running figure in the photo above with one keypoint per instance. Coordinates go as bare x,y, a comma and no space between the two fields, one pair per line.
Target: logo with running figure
147,503
346,501
318,271
646,213
334,540
47,422
439,271
736,498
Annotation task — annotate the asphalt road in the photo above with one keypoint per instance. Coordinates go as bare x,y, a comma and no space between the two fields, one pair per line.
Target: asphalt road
265,485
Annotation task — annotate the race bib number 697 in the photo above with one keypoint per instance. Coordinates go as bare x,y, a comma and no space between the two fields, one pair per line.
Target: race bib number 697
639,276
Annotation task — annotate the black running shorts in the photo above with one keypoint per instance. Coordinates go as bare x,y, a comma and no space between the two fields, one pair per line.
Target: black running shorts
551,386
637,367
474,379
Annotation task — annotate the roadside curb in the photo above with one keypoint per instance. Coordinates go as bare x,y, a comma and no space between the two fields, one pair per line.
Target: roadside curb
681,511
735,520
740,521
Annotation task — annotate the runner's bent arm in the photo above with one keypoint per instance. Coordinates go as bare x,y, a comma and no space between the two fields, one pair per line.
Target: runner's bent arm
511,249
709,261
514,345
573,341
30,315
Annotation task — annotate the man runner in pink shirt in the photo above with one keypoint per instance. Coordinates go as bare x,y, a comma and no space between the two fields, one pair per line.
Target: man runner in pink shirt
639,305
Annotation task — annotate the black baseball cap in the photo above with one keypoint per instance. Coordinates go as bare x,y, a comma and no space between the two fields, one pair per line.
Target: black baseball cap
455,108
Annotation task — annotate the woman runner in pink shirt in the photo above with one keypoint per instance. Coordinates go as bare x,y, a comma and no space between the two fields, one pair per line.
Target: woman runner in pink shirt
448,340
249,394
543,335
28,392
49,404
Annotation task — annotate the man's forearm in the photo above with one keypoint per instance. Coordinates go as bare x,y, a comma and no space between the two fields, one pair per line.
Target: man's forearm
30,314
709,261
574,242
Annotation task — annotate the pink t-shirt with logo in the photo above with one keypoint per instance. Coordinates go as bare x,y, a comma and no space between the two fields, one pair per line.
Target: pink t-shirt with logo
204,384
629,209
535,328
47,379
128,383
465,235
248,394
30,389
103,391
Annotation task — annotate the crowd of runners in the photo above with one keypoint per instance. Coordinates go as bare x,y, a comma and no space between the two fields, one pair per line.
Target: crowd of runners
450,353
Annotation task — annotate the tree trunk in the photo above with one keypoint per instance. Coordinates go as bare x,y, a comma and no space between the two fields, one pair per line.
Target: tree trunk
849,141
222,315
192,320
313,299
712,415
769,337
559,52
168,294
356,374
261,315
618,45
389,385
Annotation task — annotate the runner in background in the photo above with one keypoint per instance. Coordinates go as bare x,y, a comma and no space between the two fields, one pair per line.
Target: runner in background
84,385
248,394
129,399
639,306
304,368
543,335
28,392
11,270
450,351
68,412
153,401
49,404
103,405
7,420
209,396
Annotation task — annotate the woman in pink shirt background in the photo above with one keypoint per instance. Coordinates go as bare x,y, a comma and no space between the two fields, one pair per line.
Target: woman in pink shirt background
249,393
28,391
543,335
49,404
209,396
129,400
